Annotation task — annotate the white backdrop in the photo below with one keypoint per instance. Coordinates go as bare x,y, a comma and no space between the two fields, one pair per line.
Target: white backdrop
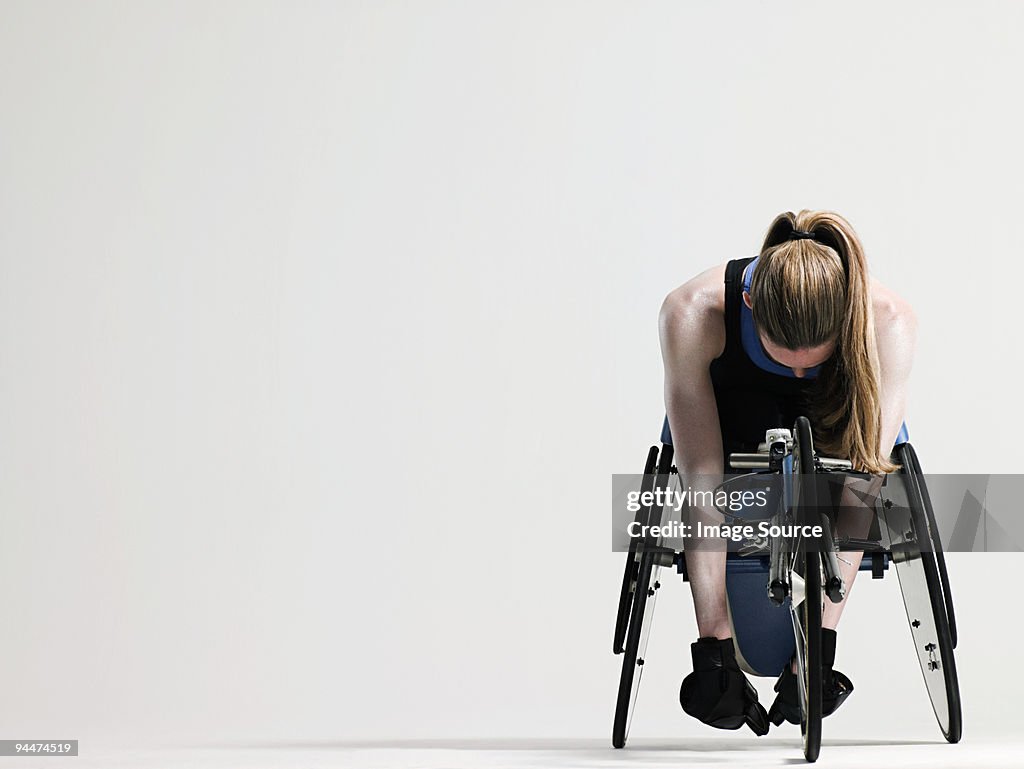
322,328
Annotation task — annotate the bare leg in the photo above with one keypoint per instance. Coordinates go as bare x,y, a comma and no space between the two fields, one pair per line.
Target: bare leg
706,571
856,514
849,563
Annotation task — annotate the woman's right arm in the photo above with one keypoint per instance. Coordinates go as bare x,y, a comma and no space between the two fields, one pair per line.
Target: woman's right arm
692,332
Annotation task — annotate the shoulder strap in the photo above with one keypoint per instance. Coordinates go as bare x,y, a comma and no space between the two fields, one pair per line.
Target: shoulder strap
733,302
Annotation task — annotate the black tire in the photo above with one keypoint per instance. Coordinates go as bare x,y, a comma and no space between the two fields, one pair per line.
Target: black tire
632,570
810,674
807,615
641,614
925,600
632,661
907,457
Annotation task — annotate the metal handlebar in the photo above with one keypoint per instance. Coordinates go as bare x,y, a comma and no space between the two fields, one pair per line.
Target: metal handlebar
759,461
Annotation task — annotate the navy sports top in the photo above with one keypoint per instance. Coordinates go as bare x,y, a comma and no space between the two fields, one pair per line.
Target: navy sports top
754,393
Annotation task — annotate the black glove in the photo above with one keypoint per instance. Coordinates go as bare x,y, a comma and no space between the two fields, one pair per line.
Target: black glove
717,693
835,686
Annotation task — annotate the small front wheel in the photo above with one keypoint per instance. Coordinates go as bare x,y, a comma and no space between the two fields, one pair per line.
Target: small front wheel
806,605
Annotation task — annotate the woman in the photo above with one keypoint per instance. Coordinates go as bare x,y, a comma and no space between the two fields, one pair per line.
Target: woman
750,345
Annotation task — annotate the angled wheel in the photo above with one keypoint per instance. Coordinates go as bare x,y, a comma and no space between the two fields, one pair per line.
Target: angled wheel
926,597
632,570
644,596
907,457
805,608
640,621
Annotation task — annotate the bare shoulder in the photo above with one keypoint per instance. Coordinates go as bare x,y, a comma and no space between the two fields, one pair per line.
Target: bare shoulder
893,314
895,333
692,316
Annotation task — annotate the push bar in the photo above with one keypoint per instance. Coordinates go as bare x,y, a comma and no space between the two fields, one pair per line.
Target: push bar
760,462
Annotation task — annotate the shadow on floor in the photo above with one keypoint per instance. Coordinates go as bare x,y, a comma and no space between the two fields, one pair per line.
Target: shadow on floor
568,744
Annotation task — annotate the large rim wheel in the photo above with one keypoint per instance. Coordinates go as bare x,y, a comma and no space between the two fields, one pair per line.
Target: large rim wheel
640,621
644,596
907,457
925,597
632,570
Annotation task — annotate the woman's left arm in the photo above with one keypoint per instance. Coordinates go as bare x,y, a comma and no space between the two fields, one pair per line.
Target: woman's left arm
896,332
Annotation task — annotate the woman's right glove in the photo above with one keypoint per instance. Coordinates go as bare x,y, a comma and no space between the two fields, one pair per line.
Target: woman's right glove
717,693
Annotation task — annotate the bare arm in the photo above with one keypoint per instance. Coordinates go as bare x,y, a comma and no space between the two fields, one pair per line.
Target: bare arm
896,332
692,332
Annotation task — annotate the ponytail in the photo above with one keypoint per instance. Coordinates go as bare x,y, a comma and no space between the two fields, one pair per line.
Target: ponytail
808,292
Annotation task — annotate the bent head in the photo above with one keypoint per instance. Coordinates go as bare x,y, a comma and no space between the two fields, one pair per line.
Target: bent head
798,298
799,295
810,300
800,360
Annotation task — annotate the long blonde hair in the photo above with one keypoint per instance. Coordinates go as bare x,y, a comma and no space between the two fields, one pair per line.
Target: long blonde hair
808,292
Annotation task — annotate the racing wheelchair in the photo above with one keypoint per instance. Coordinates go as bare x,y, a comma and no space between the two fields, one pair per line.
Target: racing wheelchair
776,585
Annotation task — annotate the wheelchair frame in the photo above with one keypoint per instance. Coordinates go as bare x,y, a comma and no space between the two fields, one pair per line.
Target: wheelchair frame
801,577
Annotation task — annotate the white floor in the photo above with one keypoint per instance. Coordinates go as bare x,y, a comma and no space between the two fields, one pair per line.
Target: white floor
726,751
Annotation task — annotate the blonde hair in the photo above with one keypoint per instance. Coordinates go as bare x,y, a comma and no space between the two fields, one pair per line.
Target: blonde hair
808,292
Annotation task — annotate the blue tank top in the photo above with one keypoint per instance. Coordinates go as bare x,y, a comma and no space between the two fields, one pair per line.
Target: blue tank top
753,392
